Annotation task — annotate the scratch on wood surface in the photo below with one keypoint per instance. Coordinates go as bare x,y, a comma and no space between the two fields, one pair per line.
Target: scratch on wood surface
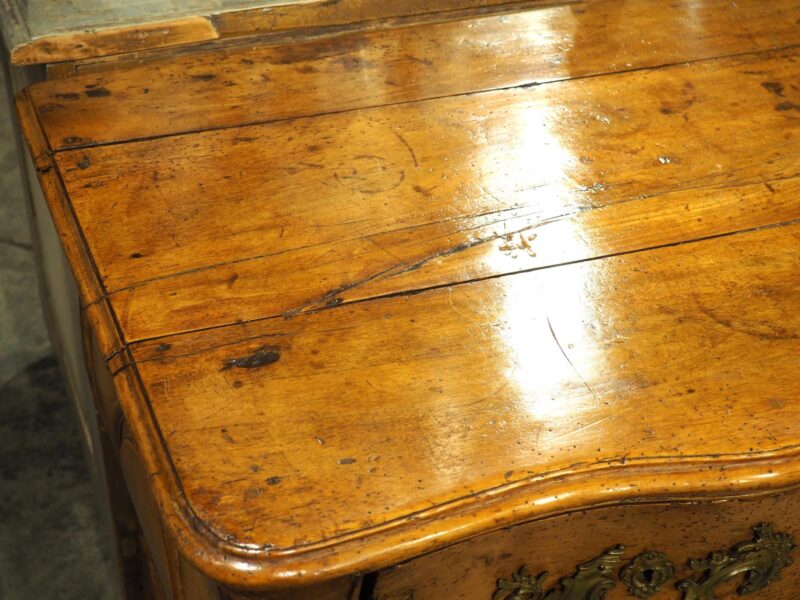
571,364
407,145
332,297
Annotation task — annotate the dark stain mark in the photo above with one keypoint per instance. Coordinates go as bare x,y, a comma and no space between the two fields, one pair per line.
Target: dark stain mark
307,165
226,436
246,61
665,110
85,162
69,96
773,87
255,468
297,53
163,347
265,78
50,107
783,106
346,461
229,83
421,190
274,480
422,61
146,90
97,92
369,174
244,139
204,77
260,358
353,63
769,187
231,280
237,384
136,255
252,493
762,330
306,69
313,148
74,139
90,86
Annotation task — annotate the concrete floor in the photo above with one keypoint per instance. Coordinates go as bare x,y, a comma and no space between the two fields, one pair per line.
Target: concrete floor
52,544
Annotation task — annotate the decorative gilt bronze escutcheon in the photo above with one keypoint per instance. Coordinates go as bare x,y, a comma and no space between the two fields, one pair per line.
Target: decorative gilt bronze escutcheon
760,561
591,581
646,574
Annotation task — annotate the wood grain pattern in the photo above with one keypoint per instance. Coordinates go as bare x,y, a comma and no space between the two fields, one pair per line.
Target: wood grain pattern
261,83
374,202
480,386
82,43
396,316
47,31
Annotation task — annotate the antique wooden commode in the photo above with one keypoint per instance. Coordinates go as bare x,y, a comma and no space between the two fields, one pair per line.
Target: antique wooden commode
498,305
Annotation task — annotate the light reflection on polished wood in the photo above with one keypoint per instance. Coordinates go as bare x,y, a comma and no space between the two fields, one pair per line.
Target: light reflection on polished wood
255,83
344,340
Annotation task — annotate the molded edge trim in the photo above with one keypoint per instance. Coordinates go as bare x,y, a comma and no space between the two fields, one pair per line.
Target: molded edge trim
93,298
605,483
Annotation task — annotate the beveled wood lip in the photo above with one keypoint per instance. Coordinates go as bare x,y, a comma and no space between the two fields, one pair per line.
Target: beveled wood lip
579,487
608,482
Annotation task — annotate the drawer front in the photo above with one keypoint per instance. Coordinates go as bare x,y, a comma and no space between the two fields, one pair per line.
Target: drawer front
636,551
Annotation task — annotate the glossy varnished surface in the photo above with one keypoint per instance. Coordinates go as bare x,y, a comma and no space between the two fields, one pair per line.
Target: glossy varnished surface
403,403
387,199
252,83
352,326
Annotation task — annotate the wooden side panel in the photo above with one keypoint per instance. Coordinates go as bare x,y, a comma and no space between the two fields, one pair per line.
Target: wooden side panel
471,570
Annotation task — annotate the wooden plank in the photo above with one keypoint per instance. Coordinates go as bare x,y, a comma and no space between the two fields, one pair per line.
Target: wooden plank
46,31
256,83
271,219
82,43
322,13
405,405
